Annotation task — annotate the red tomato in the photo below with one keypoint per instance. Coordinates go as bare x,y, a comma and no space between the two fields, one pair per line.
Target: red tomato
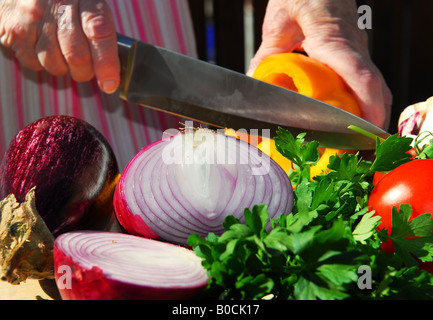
413,153
379,175
410,183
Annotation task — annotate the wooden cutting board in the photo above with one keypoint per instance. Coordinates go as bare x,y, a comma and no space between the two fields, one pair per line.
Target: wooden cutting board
30,290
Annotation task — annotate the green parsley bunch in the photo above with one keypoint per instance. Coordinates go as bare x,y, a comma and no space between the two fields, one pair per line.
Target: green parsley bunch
328,247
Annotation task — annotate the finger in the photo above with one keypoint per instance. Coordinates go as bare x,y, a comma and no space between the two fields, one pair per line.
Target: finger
21,41
47,47
73,42
362,77
98,26
278,37
271,47
18,32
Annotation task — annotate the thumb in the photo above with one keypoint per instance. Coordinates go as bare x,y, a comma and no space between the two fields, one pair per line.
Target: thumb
362,77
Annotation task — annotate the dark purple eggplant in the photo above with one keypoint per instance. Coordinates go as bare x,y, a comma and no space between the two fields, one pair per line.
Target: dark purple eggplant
73,168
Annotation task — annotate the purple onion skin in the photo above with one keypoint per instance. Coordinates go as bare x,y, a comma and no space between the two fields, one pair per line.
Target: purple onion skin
94,285
73,168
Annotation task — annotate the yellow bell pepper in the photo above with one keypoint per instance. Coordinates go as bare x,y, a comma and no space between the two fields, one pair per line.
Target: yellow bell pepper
310,77
300,73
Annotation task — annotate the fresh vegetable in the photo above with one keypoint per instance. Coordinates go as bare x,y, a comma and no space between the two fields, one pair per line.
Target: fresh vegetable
189,183
252,139
95,265
303,74
328,247
318,164
416,119
72,168
379,175
300,73
264,144
407,184
268,147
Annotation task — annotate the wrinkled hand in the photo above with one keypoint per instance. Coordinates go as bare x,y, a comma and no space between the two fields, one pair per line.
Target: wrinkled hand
63,36
327,30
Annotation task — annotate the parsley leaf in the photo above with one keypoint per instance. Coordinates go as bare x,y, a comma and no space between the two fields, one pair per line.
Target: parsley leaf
392,153
411,237
301,155
366,227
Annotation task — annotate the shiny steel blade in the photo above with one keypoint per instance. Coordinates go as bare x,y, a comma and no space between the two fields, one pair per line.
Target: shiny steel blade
200,91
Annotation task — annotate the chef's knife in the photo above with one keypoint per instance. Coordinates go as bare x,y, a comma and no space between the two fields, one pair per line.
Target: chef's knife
207,93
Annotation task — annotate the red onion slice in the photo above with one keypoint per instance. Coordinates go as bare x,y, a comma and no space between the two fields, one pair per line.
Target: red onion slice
95,265
191,182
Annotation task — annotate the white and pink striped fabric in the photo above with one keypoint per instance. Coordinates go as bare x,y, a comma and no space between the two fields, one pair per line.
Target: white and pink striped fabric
26,96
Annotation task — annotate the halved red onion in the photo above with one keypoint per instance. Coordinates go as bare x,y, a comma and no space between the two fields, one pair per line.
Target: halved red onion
189,183
73,168
95,265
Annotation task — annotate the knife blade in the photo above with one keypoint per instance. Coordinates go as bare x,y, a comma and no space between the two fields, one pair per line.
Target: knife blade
164,80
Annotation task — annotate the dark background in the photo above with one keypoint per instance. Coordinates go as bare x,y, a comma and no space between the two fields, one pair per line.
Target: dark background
401,42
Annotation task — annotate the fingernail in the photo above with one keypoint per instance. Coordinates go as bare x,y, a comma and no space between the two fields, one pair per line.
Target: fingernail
109,86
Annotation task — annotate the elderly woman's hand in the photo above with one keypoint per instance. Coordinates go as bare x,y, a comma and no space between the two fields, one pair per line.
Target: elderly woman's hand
328,31
63,36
